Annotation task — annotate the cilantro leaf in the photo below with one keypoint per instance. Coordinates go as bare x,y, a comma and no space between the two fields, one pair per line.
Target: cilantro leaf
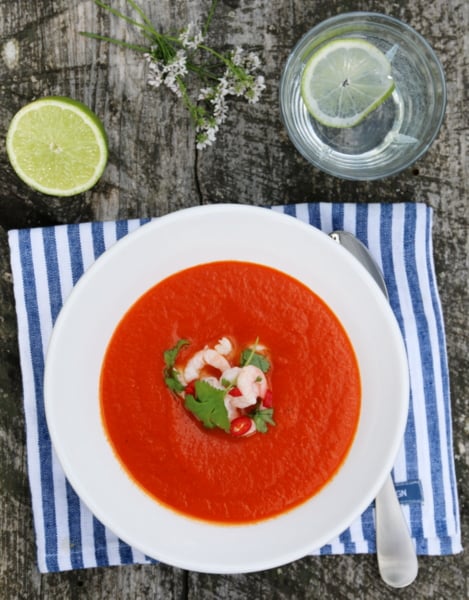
208,406
171,376
249,357
173,383
262,418
171,354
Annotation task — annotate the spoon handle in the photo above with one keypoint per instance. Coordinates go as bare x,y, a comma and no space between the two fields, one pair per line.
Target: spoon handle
397,560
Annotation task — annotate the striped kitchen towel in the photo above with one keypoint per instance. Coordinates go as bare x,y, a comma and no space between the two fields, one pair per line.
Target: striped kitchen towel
47,263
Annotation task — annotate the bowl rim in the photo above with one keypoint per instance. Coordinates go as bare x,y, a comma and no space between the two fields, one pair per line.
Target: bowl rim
195,545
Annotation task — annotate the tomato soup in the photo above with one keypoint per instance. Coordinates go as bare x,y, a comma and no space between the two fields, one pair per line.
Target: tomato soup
205,473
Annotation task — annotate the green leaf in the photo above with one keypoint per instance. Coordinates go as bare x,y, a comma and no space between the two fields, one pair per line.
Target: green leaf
249,357
171,375
172,381
170,355
208,406
262,418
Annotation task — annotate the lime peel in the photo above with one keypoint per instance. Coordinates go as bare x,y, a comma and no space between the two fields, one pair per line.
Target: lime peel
344,81
57,146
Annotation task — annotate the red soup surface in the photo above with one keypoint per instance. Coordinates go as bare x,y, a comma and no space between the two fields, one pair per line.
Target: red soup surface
205,473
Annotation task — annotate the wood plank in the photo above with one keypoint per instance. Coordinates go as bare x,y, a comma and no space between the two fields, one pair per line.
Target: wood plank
154,168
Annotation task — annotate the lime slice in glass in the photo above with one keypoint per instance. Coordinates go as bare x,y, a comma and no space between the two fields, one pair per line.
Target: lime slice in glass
57,146
344,81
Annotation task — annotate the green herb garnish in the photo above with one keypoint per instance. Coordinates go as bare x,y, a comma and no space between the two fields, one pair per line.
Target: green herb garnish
171,377
208,406
251,357
262,418
206,402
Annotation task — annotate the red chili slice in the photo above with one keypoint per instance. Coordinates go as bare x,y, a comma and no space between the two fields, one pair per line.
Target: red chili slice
267,401
190,388
240,426
235,392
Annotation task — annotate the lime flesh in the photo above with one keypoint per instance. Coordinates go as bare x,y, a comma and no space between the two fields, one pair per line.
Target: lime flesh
344,81
57,146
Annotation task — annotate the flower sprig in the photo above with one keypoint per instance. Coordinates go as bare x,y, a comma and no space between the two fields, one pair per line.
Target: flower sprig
175,60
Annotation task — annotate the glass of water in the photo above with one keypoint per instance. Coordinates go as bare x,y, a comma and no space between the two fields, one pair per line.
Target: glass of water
392,136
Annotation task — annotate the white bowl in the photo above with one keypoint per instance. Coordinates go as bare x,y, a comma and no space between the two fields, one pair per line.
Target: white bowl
135,264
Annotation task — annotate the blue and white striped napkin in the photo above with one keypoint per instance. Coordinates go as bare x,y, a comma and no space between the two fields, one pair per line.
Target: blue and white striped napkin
47,263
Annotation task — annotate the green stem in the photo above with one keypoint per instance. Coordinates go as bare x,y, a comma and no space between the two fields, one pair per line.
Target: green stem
103,38
201,71
191,107
137,9
165,44
147,28
238,71
213,52
253,351
167,50
208,20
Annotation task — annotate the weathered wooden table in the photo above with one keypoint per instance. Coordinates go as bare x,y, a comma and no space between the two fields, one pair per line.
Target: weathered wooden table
155,168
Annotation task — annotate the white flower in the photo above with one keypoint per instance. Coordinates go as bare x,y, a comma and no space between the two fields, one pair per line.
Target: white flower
253,94
220,108
252,62
225,84
174,70
237,80
171,83
191,38
177,67
168,73
236,56
171,58
206,132
241,86
155,71
206,93
204,140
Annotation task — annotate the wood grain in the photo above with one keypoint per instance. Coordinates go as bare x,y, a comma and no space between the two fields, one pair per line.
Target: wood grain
154,168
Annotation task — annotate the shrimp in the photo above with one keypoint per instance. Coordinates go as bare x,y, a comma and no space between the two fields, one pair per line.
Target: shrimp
230,375
224,346
231,408
252,384
202,358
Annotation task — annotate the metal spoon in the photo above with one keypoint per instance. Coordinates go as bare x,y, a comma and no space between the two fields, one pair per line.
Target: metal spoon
397,558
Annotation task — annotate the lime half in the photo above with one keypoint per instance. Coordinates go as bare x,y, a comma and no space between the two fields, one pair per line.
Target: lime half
57,146
344,81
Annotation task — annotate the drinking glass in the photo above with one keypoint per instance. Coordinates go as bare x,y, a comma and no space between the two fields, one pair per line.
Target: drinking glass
391,137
